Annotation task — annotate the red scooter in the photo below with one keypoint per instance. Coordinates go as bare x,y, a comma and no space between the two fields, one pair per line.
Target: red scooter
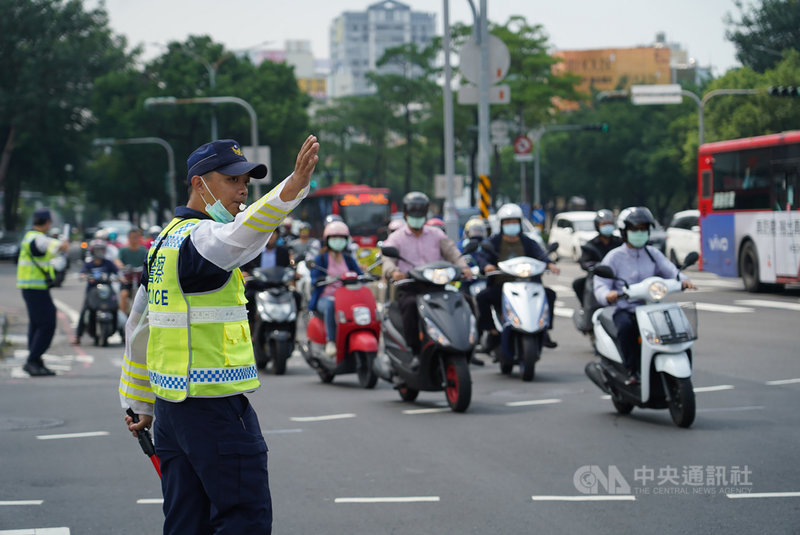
357,332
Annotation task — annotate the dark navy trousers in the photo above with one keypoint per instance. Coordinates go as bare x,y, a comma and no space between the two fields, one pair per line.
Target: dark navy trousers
628,338
213,467
41,322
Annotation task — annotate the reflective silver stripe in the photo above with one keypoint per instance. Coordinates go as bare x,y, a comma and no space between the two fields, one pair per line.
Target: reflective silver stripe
177,320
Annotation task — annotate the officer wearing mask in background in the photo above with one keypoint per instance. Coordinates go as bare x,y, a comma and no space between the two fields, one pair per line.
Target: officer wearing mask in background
418,244
189,357
34,275
509,243
633,263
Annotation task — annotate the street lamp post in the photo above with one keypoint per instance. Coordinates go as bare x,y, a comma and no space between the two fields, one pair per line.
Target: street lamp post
172,101
107,142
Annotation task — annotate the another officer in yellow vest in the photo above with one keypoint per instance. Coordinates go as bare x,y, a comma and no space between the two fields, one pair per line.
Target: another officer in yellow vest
189,359
33,273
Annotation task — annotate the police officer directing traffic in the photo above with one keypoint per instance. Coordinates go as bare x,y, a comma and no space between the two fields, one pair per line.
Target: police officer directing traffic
189,358
34,277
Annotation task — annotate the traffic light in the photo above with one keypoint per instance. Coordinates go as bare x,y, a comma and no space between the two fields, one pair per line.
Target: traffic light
602,127
783,91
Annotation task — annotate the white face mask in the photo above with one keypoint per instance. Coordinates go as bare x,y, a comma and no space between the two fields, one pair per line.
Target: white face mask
218,213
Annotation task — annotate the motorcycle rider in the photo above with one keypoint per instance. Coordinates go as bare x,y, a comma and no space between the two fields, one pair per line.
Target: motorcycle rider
334,261
597,248
510,242
93,271
418,244
633,262
304,246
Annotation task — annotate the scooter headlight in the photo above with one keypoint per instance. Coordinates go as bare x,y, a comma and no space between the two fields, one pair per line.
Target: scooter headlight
439,275
103,291
658,290
361,315
277,311
435,333
523,269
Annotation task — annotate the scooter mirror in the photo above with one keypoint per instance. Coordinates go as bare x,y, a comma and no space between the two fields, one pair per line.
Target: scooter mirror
552,247
390,252
310,263
606,272
690,259
471,247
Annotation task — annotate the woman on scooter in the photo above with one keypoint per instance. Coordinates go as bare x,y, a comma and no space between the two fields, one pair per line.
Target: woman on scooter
333,261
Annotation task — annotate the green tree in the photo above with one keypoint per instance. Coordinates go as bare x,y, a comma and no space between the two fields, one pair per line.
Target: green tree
763,32
52,51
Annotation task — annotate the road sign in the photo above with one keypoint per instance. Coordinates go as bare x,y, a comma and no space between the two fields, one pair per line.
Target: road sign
498,94
523,145
440,186
470,60
656,94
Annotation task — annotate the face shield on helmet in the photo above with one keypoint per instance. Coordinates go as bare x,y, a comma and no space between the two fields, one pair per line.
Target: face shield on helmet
635,226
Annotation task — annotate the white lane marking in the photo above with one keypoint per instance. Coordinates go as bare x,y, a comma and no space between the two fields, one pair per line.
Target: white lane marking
562,312
71,313
769,304
532,402
425,411
558,288
150,501
590,498
398,499
74,435
22,502
36,531
280,431
765,495
783,382
734,409
713,388
727,309
322,418
605,397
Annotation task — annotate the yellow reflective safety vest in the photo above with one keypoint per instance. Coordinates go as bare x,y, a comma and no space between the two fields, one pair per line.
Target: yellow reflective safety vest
199,344
29,275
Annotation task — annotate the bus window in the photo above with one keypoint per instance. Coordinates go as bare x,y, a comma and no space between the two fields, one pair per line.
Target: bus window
742,180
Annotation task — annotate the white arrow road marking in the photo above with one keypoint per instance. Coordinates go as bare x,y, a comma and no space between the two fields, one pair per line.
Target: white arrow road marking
590,498
322,418
398,499
74,435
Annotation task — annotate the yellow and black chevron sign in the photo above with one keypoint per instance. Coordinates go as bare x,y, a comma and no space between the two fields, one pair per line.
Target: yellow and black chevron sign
485,193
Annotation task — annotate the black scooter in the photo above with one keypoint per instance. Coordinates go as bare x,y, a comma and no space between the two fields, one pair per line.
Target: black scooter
102,306
449,334
274,321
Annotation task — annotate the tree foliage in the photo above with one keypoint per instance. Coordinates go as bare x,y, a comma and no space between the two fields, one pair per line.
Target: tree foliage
52,51
763,32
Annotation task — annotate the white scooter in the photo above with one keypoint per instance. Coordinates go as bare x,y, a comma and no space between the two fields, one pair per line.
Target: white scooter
667,335
525,315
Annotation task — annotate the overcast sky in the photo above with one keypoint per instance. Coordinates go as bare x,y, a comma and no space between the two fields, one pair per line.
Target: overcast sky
573,24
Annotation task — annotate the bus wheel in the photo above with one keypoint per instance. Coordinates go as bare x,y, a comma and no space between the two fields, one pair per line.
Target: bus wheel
748,267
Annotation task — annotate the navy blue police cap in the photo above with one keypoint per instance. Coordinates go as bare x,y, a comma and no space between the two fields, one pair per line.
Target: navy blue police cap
223,156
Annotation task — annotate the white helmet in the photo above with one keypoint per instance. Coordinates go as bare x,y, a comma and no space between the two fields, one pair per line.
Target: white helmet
509,211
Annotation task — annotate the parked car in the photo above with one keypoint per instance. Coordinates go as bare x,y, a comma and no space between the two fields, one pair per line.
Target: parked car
683,235
658,236
9,244
571,230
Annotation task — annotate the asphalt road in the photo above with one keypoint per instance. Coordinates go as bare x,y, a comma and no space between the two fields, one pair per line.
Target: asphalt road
520,460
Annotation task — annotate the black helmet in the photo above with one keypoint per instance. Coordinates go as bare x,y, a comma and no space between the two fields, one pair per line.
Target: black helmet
602,215
632,217
415,204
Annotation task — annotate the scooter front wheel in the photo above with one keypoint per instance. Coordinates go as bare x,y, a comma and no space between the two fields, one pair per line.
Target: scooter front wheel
530,347
458,388
364,367
407,394
681,400
622,406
